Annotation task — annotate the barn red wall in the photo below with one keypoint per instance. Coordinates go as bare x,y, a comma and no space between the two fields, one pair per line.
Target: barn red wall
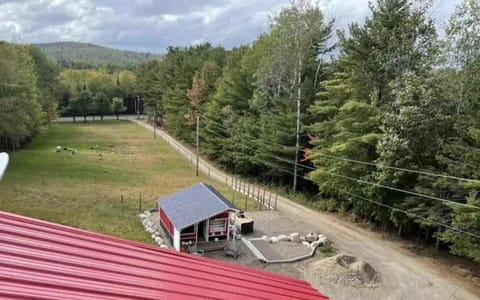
166,222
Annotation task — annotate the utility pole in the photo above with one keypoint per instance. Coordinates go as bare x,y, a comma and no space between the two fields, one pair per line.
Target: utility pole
198,135
154,122
138,107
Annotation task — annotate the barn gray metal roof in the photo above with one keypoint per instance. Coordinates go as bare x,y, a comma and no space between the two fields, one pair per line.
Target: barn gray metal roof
194,204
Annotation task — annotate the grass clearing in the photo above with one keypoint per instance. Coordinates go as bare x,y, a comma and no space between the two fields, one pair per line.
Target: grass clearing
83,190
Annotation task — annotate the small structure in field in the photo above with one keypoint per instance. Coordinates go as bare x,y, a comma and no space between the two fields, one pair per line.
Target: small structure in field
196,214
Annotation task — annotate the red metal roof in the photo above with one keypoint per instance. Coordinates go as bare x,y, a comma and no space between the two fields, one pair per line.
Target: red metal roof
42,260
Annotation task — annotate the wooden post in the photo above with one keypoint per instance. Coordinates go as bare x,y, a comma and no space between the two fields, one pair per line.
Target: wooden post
121,200
197,143
155,122
270,199
140,203
276,198
263,198
258,193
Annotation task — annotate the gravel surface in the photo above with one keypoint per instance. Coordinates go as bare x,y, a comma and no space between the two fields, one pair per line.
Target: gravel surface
281,250
345,270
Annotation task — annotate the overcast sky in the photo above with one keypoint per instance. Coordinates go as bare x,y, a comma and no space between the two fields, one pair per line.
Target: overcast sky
153,25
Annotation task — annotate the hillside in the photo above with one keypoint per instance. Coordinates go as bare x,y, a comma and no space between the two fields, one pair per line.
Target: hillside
85,55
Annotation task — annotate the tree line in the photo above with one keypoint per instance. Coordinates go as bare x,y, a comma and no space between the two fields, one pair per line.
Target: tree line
388,129
94,92
27,99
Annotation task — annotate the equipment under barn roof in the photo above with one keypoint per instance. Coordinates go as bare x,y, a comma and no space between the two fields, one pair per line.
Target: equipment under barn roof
42,260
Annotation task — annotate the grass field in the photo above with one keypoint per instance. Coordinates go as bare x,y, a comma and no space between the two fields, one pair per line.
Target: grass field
83,190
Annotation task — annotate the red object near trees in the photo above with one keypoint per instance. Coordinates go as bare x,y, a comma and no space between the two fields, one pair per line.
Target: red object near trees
42,260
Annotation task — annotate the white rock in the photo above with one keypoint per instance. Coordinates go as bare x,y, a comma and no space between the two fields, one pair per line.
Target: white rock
265,238
158,240
311,237
147,213
283,237
273,240
306,243
315,244
322,240
153,236
294,237
302,238
163,246
157,232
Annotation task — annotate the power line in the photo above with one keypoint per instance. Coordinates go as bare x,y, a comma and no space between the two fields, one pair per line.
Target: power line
412,215
377,165
376,202
384,205
367,182
399,169
380,165
383,166
383,186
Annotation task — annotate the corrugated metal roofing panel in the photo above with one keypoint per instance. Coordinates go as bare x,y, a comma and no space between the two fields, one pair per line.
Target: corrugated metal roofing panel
194,204
42,260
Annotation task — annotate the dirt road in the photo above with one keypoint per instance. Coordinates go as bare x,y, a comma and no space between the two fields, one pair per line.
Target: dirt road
404,275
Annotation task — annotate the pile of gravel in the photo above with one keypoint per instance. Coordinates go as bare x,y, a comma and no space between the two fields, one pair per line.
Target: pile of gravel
345,270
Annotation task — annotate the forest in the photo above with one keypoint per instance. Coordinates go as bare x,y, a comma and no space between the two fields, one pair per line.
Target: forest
382,124
77,55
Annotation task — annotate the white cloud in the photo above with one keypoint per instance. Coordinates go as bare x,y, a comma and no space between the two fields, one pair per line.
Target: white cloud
153,25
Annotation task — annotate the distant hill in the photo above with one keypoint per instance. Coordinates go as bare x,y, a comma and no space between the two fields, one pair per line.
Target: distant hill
85,56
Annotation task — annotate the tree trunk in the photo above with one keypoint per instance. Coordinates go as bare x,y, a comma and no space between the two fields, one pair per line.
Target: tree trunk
73,119
427,232
437,238
93,117
117,116
84,119
101,118
399,232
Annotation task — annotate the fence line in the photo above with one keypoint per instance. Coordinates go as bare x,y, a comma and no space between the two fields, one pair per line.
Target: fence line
214,173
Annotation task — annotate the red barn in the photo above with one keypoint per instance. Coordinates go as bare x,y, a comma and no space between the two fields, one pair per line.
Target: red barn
42,260
197,213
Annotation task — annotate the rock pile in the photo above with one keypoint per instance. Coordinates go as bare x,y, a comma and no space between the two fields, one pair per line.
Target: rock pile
345,270
150,228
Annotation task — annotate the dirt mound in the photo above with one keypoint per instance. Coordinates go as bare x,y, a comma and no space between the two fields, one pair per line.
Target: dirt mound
345,270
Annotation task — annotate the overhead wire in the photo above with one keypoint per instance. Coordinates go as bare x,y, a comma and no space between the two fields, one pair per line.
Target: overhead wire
381,185
385,205
367,199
